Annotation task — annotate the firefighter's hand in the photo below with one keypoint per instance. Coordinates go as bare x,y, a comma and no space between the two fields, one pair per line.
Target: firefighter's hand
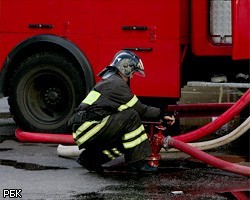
170,120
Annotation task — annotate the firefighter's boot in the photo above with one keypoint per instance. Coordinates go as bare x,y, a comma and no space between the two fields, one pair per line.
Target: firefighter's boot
142,167
89,164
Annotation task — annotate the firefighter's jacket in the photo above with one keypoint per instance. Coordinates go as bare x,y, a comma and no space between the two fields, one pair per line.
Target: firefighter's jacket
110,96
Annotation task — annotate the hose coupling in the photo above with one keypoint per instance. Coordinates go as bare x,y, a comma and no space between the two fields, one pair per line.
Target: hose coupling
165,144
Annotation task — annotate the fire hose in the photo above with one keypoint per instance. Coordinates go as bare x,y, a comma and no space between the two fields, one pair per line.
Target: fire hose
240,195
219,122
226,139
204,157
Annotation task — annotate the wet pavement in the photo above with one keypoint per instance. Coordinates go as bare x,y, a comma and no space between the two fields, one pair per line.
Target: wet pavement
38,172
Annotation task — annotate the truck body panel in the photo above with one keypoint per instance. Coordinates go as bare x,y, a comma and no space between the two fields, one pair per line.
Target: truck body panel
177,40
241,29
96,27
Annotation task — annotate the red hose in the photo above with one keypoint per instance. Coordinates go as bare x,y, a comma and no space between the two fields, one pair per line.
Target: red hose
209,159
44,137
240,195
219,122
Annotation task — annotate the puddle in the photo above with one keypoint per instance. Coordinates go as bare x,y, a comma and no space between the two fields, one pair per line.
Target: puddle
90,195
5,149
234,158
6,137
159,192
38,144
177,179
29,144
172,186
28,166
175,165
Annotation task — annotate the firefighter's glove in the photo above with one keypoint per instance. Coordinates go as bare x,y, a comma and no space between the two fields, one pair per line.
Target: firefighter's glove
168,119
76,120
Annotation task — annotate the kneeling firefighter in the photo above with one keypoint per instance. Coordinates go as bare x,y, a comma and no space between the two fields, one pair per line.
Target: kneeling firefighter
107,124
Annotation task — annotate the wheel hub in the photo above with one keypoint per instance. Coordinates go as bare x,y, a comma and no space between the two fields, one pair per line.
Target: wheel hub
52,96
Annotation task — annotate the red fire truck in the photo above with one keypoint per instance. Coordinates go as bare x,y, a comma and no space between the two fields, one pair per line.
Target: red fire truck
51,50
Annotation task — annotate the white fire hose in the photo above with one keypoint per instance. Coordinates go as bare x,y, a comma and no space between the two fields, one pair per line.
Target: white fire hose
226,139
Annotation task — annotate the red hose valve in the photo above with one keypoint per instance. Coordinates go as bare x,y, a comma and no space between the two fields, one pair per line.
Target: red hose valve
156,145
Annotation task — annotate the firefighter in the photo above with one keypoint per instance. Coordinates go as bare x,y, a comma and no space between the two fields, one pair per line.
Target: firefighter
108,122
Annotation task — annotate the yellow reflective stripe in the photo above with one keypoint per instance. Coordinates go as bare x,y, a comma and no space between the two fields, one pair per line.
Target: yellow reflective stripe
129,104
135,142
92,132
83,127
134,133
92,97
106,152
116,151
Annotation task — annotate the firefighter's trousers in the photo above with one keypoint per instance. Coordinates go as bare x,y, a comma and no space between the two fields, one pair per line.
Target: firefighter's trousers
123,133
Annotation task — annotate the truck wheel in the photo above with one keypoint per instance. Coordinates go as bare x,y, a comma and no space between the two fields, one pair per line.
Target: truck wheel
44,91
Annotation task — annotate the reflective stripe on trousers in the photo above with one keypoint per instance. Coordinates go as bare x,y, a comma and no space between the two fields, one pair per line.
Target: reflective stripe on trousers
134,138
90,133
113,153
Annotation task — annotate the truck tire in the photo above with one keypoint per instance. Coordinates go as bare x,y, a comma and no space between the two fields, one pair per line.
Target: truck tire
44,90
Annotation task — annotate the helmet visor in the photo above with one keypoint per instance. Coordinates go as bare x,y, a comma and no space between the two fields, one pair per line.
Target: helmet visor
139,70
